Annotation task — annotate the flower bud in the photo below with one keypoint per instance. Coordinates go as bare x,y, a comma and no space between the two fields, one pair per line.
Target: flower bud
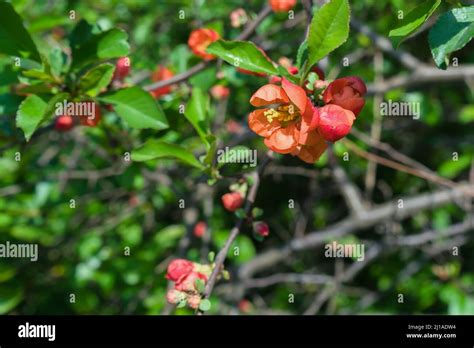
188,283
347,92
122,68
174,296
179,268
238,18
220,92
200,229
194,301
261,228
335,122
282,5
91,120
232,201
64,123
161,74
200,39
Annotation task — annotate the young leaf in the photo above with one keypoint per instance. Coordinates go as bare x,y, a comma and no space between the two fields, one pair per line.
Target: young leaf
451,32
329,29
413,20
30,114
34,110
96,79
302,53
199,285
106,45
14,39
205,305
137,107
242,54
196,113
158,149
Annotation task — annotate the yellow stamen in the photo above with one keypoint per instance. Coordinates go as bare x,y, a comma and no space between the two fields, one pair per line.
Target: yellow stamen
283,113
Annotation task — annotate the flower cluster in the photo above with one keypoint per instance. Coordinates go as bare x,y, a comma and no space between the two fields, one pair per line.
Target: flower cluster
292,123
189,279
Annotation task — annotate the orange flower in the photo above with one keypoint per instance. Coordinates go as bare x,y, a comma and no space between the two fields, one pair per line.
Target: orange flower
160,74
288,121
200,39
282,5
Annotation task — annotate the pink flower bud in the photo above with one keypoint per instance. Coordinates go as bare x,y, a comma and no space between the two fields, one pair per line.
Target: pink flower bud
200,229
179,268
261,228
232,201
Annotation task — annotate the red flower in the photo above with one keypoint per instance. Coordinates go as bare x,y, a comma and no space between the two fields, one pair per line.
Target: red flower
220,92
122,68
161,74
346,92
188,282
232,201
282,5
91,121
335,122
200,39
200,229
261,228
179,268
64,123
288,121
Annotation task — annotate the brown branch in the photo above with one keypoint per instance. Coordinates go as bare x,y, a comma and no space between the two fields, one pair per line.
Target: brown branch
411,206
221,256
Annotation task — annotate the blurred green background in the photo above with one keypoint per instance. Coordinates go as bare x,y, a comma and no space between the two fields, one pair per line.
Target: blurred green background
81,249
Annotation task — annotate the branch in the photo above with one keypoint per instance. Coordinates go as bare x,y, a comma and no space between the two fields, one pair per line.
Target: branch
411,206
221,256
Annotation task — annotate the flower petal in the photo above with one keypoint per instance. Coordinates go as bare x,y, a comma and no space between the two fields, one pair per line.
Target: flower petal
260,125
296,94
269,94
283,140
311,153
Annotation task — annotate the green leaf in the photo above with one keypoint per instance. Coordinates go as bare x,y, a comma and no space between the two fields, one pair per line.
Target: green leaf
158,149
329,29
10,297
302,53
205,305
242,54
451,32
106,45
413,20
34,110
96,79
137,107
199,285
14,39
30,114
196,113
211,256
